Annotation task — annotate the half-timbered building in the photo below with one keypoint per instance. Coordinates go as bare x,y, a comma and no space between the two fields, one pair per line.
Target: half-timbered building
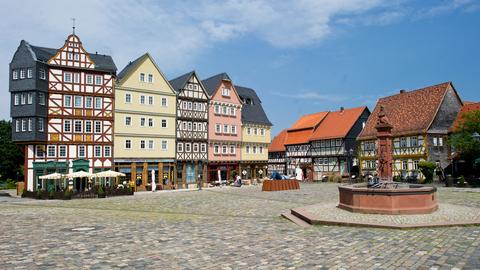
62,110
333,141
255,135
192,129
421,119
276,154
297,144
145,127
224,129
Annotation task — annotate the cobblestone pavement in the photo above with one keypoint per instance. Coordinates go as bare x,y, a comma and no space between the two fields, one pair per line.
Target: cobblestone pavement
223,228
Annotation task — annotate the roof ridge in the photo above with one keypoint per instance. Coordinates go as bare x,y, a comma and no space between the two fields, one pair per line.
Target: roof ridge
413,91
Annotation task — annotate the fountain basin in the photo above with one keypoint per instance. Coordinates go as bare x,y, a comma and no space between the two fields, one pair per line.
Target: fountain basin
403,200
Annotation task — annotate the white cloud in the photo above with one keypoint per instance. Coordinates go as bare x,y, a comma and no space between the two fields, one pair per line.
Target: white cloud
313,96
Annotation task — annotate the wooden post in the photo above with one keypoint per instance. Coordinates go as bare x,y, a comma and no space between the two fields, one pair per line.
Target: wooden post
184,175
205,173
160,175
174,178
133,175
145,175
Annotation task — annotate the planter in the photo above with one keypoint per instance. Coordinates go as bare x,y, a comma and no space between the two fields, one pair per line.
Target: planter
101,195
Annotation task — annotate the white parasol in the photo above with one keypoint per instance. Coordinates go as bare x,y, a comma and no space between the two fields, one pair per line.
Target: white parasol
80,174
154,186
52,176
109,173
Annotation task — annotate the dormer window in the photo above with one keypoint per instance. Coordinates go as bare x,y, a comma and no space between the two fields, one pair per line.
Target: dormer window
225,92
29,73
22,73
15,75
142,77
41,74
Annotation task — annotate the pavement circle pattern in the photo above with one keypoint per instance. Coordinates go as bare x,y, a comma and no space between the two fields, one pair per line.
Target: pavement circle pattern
224,228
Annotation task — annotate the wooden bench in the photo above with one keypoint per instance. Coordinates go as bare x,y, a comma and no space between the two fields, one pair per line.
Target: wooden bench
278,185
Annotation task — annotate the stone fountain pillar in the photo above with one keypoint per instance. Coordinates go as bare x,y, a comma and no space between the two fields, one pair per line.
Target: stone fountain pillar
384,144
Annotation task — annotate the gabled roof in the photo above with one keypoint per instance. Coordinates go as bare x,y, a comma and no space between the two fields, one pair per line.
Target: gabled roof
102,62
303,129
467,107
211,84
129,67
179,82
278,143
252,110
409,112
337,124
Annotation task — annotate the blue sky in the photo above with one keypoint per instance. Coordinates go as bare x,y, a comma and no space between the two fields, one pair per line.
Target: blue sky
301,56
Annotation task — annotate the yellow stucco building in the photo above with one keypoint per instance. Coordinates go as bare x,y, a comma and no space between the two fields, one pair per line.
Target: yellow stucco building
145,124
255,135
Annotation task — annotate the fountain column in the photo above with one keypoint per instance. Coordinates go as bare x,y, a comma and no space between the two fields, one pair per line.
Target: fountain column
384,146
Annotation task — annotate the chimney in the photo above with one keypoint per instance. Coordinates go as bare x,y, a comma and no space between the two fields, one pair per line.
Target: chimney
402,91
342,109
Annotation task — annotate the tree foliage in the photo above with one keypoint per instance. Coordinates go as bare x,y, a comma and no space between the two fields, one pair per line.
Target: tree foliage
462,140
427,168
11,156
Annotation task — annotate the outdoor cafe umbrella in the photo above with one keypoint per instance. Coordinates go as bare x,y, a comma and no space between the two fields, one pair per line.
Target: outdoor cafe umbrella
80,174
52,176
154,186
109,173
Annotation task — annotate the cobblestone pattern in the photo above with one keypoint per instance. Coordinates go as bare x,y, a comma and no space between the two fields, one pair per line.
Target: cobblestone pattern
225,228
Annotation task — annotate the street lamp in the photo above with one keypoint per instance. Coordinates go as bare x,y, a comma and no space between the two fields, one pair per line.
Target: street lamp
349,164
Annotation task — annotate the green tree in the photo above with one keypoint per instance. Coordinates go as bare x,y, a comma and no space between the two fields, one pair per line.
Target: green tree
11,156
462,140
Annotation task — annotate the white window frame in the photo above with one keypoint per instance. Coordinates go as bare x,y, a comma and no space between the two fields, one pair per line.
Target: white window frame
224,149
142,99
150,78
128,144
29,98
23,99
143,120
217,109
97,153
16,99
216,149
41,98
14,74
17,125
98,80
164,121
225,129
233,129
54,151
89,102
232,149
40,149
151,100
67,77
60,147
42,74
128,98
30,124
22,73
180,147
77,98
41,124
29,73
107,151
203,147
24,125
151,144
141,77
65,125
164,145
88,123
195,147
98,102
218,128
89,79
98,126
75,126
69,99
80,149
128,121
164,102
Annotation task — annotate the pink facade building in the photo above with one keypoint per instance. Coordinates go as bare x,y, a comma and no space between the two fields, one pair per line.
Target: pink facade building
224,129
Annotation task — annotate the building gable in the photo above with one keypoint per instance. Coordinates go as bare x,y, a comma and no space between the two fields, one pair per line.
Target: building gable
72,54
446,113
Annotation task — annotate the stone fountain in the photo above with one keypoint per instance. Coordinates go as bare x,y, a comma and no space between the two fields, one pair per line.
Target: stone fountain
385,196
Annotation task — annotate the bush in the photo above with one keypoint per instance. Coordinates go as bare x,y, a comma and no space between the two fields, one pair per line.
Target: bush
39,194
24,193
51,195
461,181
427,168
397,178
337,178
67,195
331,178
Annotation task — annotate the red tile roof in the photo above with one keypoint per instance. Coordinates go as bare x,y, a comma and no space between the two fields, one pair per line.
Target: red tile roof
278,143
409,112
467,107
301,131
337,124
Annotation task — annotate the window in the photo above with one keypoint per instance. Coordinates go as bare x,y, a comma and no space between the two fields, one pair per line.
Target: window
98,151
234,129
62,151
225,129
164,102
128,144
414,141
81,151
76,77
78,126
180,147
203,148
17,125
16,99
232,149
128,98
194,126
67,101
142,121
128,121
51,151
107,150
164,145
249,131
150,144
98,127
78,101
195,105
217,109
40,151
40,124
88,126
23,100
29,73
188,147
67,126
29,124
150,122
24,125
76,56
142,144
405,165
142,99
232,111
41,98
164,123
70,56
98,102
15,75
190,126
216,149
29,98
184,105
184,125
255,131
254,149
195,147
189,105
403,142
88,102
89,79
67,77
262,132
435,143
247,149
42,74
22,73
150,78
217,128
226,92
142,77
150,100
224,110
224,149
260,149
98,80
